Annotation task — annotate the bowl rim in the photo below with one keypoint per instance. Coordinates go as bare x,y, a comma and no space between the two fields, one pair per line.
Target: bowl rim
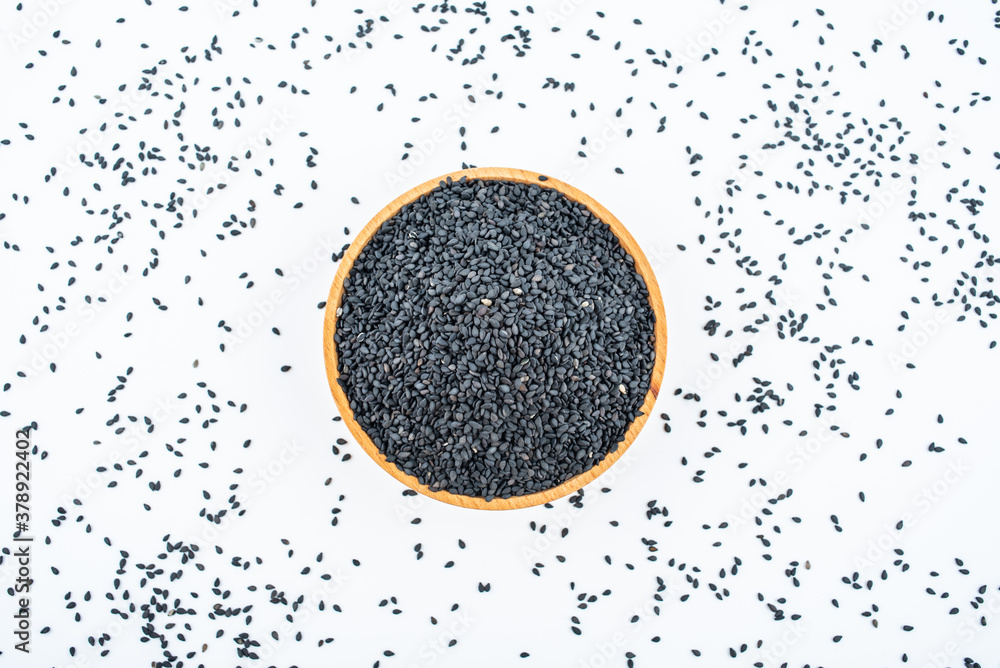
627,242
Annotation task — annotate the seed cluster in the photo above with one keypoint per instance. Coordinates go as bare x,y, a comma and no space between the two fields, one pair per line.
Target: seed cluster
494,339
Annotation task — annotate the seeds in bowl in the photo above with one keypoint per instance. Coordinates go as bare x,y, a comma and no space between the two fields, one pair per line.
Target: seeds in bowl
494,339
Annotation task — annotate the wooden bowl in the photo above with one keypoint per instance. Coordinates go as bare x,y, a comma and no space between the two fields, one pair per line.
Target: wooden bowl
627,243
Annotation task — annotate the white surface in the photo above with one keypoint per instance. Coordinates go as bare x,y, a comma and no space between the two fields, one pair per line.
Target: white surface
289,414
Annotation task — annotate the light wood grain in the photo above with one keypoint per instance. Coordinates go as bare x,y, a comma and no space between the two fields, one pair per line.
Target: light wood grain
628,244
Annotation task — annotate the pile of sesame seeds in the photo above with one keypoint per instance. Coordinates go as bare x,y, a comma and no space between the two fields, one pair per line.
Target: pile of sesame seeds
820,489
494,339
